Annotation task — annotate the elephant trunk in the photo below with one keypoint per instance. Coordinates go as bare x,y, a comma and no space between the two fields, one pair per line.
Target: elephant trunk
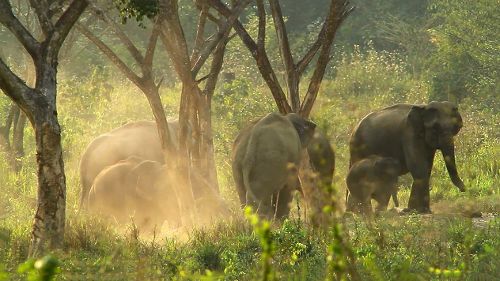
448,151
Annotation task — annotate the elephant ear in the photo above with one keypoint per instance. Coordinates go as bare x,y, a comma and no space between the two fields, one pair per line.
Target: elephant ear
304,127
416,119
431,114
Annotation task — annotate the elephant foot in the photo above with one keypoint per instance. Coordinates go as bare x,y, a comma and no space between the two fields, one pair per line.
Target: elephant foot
419,210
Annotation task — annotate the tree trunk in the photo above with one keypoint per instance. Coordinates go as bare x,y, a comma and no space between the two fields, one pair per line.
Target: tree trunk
48,227
18,142
207,143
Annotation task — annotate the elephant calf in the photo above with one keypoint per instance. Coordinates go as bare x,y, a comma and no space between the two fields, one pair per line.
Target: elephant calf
266,156
373,177
134,189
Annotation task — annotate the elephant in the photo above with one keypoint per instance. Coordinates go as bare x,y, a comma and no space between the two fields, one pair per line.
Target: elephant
411,134
373,177
265,161
137,138
322,157
135,188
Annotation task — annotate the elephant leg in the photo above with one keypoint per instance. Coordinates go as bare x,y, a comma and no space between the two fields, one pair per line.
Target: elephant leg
366,207
285,196
351,202
419,162
240,186
383,201
395,197
263,206
420,196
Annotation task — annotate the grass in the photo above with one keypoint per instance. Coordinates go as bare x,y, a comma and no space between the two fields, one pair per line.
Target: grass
449,245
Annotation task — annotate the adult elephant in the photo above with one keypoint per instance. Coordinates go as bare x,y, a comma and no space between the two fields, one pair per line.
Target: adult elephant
266,157
411,134
137,189
136,138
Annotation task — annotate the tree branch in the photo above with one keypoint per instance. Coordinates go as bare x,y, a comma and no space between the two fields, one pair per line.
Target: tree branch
283,42
14,87
110,54
136,54
261,35
262,60
304,62
223,32
339,10
216,66
150,50
65,23
174,40
42,12
200,30
8,19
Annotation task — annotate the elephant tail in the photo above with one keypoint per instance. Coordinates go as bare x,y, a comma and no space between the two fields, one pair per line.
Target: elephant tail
249,160
86,186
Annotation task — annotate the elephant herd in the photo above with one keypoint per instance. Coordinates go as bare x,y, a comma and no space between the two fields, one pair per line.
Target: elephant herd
123,175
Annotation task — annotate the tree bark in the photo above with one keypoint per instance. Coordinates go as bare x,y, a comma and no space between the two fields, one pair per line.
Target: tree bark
48,226
18,142
39,105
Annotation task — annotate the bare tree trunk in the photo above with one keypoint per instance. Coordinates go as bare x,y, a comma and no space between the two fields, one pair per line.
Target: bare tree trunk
48,226
39,105
18,142
5,130
207,143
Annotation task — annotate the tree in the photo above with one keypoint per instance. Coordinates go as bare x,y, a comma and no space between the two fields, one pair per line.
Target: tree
12,132
320,48
467,42
337,12
145,81
197,86
39,105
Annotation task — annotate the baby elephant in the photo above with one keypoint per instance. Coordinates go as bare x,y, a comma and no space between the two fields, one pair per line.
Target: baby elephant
373,177
134,189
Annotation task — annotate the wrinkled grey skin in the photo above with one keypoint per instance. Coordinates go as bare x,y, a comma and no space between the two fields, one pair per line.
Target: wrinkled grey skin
374,177
322,157
135,189
136,138
411,134
266,157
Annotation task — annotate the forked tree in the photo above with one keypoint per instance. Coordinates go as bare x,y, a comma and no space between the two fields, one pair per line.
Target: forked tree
144,78
320,49
198,69
297,102
55,18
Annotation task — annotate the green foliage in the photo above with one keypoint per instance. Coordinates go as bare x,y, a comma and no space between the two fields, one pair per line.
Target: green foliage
466,61
262,228
43,269
136,9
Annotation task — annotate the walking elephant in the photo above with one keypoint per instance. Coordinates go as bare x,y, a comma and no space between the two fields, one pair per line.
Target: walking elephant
136,138
374,177
135,189
411,134
265,161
